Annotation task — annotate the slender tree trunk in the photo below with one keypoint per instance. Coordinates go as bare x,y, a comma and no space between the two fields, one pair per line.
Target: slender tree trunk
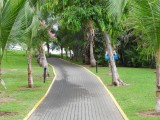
70,52
158,81
115,76
30,79
66,53
61,52
48,48
87,54
42,60
91,41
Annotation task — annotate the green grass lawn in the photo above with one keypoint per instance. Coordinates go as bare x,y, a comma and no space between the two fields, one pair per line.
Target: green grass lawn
138,96
23,99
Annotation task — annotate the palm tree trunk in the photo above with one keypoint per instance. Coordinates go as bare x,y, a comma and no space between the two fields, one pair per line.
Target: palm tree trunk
158,81
91,41
48,48
30,79
115,76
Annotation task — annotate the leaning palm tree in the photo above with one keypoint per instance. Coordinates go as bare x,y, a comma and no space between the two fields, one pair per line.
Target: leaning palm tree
145,19
9,10
110,18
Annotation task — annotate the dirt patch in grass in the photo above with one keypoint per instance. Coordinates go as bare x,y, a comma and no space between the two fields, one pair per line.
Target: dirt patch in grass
13,70
37,76
150,113
34,87
87,66
8,113
40,76
111,85
6,99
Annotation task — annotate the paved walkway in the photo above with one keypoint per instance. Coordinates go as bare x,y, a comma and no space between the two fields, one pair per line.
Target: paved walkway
75,95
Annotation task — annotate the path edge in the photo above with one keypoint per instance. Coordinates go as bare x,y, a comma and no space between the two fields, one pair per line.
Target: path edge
40,101
113,98
107,90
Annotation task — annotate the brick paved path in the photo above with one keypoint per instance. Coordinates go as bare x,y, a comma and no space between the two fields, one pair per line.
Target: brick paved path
75,95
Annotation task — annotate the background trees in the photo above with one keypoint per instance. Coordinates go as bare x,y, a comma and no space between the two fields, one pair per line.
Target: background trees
81,16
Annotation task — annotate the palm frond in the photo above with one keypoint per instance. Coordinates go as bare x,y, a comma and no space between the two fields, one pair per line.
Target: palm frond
9,14
145,19
116,8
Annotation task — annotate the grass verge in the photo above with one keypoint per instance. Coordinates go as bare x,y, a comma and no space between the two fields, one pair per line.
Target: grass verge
139,96
18,98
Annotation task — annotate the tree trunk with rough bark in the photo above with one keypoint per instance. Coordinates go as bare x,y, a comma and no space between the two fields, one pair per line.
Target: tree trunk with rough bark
87,54
115,76
43,61
30,79
47,44
91,41
158,81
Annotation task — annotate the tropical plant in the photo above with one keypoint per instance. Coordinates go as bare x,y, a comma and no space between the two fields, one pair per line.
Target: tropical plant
29,31
28,25
145,20
109,20
9,11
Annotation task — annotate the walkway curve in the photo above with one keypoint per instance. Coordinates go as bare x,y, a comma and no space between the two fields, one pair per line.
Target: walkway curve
75,95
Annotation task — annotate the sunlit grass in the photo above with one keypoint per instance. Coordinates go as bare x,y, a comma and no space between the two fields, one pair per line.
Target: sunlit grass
14,68
138,96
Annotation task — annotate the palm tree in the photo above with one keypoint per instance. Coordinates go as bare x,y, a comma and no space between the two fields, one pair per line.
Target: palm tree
145,19
27,24
109,19
29,32
9,11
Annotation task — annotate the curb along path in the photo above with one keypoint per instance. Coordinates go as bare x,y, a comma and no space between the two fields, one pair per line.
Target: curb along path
75,95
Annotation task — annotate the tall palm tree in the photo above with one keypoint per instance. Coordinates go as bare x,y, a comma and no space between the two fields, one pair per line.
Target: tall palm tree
145,19
29,32
27,26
